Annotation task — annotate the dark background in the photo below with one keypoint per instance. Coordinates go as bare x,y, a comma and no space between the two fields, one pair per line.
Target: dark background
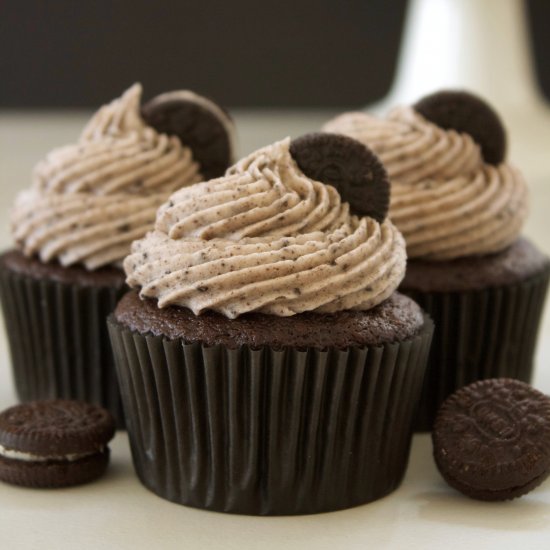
253,53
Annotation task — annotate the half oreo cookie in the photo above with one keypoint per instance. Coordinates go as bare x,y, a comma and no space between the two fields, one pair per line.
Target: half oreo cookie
199,123
54,443
349,166
467,113
492,439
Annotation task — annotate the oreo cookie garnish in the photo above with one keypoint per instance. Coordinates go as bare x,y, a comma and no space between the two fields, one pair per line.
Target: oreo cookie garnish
199,123
349,166
54,443
467,113
492,439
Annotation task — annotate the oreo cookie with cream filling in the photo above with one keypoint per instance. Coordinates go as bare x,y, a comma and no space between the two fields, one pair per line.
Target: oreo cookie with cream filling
55,443
467,113
199,123
349,166
492,439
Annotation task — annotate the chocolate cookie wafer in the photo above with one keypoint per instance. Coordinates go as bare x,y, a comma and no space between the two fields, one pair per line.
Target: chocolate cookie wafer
465,112
348,165
199,123
492,439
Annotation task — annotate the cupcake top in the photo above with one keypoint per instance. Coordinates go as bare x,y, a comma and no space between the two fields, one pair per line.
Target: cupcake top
89,200
453,195
266,237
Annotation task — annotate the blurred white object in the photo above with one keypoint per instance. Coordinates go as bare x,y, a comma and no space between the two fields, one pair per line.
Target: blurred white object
482,46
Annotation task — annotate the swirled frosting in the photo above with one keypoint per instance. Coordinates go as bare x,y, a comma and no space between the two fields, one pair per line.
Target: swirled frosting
265,238
90,200
445,200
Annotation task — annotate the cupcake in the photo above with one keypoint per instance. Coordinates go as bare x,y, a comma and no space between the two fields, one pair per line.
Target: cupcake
461,207
87,203
266,363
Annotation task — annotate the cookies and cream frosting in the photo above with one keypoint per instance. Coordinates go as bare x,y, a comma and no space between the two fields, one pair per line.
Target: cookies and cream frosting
445,199
88,201
265,237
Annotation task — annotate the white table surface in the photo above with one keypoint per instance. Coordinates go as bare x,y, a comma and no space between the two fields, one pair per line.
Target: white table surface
117,512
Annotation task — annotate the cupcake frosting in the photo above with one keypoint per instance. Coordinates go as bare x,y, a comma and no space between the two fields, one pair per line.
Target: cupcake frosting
446,200
265,237
90,200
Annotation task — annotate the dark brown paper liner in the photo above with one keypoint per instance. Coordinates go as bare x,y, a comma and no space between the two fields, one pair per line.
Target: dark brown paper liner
58,339
265,431
479,334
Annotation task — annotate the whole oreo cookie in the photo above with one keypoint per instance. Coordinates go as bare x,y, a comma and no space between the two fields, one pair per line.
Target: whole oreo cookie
467,113
199,123
54,443
349,166
492,439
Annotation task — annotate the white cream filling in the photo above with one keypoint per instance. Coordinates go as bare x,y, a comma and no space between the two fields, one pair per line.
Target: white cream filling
31,457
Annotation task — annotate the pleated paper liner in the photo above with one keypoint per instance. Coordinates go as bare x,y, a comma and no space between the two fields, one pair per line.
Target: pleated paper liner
479,334
260,431
58,340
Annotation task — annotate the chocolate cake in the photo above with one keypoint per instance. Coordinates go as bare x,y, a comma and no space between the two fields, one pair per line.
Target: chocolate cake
519,262
267,364
17,262
394,320
461,207
75,224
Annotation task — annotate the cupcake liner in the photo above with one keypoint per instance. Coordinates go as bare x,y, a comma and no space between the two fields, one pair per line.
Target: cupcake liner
59,343
265,431
479,334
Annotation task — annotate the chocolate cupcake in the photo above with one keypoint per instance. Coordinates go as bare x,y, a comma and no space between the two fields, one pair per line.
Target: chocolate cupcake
73,227
461,208
267,364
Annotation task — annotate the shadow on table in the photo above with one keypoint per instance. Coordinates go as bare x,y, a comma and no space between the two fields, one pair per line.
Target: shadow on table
526,513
